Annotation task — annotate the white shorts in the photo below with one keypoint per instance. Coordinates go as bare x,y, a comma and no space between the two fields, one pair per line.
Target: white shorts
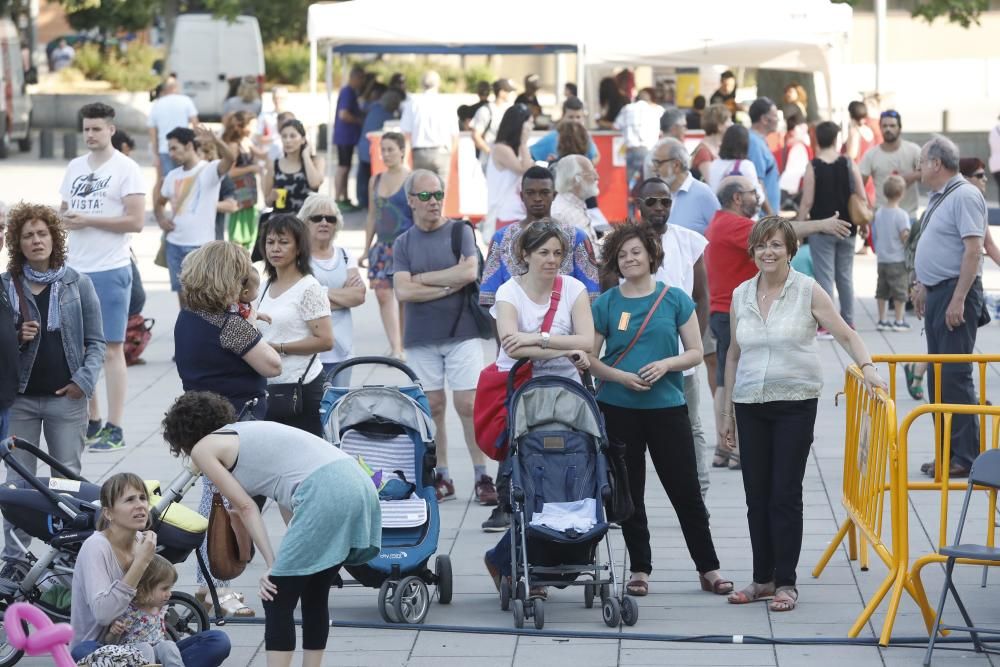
459,362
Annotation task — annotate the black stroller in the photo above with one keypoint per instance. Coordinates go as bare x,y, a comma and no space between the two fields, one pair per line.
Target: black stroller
559,483
61,511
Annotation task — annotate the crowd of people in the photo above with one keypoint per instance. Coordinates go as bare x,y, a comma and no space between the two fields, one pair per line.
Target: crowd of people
708,269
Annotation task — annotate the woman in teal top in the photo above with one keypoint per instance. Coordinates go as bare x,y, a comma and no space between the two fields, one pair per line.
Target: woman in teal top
642,396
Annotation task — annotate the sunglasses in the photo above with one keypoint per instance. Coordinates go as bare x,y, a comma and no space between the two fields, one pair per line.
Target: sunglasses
426,196
980,175
653,201
332,219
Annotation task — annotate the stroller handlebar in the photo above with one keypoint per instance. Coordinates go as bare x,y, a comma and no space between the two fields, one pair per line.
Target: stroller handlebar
177,488
6,454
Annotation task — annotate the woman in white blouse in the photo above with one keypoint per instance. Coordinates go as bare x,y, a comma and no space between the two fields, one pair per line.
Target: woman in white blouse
773,381
294,316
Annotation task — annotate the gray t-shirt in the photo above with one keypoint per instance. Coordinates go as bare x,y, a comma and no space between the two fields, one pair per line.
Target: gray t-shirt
940,247
431,322
888,224
880,164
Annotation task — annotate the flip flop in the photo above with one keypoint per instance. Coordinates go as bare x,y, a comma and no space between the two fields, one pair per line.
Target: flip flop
914,382
785,599
752,593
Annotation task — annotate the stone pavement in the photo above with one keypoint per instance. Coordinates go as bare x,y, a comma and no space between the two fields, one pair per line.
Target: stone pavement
675,606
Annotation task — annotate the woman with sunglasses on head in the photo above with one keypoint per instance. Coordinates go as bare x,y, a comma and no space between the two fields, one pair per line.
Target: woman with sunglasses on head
295,176
507,161
336,269
389,215
294,318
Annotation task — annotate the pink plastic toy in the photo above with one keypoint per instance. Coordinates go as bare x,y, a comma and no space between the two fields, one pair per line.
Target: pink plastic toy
47,638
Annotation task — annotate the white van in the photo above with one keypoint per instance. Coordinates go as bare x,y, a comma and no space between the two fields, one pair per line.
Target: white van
206,53
15,104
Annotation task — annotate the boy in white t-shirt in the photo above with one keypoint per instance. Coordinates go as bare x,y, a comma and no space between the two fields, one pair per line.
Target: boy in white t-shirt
192,189
103,201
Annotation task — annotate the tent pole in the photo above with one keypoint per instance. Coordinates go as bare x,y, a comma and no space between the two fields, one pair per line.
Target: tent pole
330,169
581,81
560,75
880,43
313,48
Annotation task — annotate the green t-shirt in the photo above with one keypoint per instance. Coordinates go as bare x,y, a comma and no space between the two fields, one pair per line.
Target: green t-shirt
658,341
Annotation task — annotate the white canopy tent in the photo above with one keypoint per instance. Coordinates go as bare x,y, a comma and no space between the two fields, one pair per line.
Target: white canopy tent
797,35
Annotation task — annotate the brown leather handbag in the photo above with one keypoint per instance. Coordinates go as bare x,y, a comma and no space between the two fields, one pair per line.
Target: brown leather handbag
229,545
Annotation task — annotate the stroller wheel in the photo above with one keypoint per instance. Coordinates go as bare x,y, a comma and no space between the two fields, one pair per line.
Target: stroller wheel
385,597
505,594
630,611
185,616
412,600
588,596
442,570
612,612
8,654
538,611
518,607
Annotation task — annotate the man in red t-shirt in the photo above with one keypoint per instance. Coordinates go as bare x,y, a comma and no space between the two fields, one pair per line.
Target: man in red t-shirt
728,264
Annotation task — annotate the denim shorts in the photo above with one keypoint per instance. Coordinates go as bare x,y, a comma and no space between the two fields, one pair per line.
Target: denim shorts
175,257
114,290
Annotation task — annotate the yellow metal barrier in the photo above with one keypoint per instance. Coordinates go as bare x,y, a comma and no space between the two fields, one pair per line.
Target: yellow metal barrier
871,457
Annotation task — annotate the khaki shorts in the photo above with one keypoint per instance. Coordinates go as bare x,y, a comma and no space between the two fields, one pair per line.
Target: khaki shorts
893,281
708,342
456,362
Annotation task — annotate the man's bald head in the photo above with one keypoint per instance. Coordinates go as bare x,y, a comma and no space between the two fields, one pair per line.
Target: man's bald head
739,195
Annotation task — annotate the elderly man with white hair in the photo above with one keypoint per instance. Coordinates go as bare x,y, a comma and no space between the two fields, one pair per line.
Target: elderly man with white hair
694,202
673,123
429,123
576,181
948,290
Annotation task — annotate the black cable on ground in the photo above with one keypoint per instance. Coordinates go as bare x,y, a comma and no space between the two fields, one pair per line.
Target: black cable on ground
912,642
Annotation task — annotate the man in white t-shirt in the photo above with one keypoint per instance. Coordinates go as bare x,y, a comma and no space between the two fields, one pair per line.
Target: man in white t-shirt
683,266
171,109
103,201
192,189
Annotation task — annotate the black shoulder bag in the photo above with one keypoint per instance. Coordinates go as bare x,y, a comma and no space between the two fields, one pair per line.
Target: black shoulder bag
470,293
284,399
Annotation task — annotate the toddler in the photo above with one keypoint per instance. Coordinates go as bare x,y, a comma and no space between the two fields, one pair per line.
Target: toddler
890,229
142,626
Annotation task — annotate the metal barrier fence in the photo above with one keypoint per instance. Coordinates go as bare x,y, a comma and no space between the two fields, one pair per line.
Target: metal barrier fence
876,462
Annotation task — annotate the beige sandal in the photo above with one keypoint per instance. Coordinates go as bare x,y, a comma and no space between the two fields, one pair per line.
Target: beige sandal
753,593
232,605
785,599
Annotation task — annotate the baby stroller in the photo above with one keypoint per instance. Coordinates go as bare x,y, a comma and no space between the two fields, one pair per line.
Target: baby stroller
390,432
62,512
559,482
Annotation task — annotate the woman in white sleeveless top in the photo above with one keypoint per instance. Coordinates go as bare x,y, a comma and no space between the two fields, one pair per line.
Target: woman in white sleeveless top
509,158
773,381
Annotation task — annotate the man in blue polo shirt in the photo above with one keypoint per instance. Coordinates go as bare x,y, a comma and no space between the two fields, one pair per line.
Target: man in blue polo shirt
764,121
546,148
694,203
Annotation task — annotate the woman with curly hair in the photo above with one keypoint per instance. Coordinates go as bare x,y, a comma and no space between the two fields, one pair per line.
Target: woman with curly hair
236,134
61,342
642,396
328,501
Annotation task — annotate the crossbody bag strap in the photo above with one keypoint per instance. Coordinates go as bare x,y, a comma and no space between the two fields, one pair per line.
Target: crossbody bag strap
306,371
642,327
554,299
21,303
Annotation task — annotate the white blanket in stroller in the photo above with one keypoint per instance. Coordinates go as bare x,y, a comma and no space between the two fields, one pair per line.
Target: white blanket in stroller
578,515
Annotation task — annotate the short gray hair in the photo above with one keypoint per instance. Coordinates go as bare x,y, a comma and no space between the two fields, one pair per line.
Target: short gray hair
728,188
944,149
567,169
420,173
671,117
315,203
431,79
675,151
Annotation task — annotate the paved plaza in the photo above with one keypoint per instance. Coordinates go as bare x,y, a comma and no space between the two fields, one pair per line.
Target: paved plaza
675,607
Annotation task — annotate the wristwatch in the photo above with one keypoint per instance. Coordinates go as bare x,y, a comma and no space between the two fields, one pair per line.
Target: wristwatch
545,340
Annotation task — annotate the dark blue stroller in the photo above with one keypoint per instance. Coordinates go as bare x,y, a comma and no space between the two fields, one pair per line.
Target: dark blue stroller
390,431
559,482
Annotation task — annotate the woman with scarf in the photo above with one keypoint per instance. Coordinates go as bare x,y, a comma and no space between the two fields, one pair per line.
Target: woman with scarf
61,341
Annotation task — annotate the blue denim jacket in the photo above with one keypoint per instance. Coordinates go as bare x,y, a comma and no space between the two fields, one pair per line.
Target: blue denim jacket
82,330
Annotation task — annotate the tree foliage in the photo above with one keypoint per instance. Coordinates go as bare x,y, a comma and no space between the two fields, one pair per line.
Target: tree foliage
962,12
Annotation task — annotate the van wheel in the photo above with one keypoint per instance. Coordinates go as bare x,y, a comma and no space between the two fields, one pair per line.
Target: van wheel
24,145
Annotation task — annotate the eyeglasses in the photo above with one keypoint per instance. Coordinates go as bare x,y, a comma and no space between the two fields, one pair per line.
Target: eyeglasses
653,201
981,175
426,196
750,192
656,163
332,219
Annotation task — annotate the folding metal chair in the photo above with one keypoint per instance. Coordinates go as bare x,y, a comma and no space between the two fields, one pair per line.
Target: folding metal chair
985,472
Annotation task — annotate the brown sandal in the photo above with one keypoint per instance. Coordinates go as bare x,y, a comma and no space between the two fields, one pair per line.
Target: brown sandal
785,599
753,593
637,588
719,587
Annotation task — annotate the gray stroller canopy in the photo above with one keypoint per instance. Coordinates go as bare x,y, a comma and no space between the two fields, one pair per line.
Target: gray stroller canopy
378,403
554,407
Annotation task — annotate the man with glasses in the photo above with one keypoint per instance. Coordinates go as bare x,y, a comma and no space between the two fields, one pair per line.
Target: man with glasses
728,264
440,334
9,374
948,291
694,202
684,267
893,156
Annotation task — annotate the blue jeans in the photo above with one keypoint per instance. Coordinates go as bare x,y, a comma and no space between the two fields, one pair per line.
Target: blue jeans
205,649
500,556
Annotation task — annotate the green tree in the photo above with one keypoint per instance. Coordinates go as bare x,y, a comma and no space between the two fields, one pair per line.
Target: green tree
962,12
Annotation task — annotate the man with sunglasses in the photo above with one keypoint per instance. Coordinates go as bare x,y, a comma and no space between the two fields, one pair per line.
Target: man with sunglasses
894,155
440,334
684,267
